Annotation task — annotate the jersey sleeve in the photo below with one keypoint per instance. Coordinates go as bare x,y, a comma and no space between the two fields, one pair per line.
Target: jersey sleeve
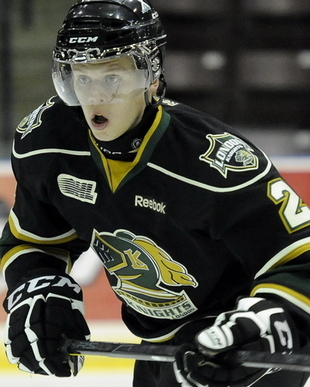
26,245
36,234
266,226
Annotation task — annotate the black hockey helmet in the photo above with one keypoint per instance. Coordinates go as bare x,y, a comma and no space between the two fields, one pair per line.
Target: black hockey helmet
100,30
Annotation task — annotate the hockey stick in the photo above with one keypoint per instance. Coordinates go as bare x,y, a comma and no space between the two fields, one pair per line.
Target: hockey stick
166,353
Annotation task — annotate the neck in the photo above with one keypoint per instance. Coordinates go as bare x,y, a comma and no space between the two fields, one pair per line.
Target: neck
126,146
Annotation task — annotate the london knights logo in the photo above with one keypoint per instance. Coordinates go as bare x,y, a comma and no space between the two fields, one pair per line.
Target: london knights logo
33,121
145,275
229,153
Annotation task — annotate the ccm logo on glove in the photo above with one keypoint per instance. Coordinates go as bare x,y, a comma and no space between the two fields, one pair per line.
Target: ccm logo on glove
39,283
256,324
285,334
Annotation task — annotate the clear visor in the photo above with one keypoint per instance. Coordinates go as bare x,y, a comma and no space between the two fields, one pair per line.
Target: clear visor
106,82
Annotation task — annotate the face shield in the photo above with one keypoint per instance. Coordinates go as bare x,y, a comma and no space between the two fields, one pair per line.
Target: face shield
108,81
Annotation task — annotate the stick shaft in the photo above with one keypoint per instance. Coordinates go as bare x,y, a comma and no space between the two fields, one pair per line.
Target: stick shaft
166,353
290,362
152,352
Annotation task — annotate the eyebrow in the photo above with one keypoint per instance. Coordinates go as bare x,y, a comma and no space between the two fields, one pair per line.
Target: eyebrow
109,67
114,66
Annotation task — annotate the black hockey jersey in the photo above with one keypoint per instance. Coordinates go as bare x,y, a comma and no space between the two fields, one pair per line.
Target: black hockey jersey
198,218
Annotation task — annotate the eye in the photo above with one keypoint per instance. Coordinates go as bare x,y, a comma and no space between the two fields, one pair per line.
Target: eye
113,78
84,80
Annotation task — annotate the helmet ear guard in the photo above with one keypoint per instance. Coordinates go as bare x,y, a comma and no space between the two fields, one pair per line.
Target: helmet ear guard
160,93
97,31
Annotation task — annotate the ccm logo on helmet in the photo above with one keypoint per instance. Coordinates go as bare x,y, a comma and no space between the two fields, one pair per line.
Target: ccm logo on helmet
84,39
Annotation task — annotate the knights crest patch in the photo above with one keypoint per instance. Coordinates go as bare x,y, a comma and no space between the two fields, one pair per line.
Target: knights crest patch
33,121
229,153
147,278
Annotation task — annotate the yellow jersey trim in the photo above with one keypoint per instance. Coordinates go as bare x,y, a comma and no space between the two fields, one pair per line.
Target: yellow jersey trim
286,255
296,298
29,237
117,170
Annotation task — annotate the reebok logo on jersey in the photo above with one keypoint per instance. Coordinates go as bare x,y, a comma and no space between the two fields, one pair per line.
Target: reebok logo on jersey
140,201
76,188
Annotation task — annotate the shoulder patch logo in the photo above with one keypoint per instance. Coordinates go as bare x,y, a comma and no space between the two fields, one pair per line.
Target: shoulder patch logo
33,121
76,188
229,153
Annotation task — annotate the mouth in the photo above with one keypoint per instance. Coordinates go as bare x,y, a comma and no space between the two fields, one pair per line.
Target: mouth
99,121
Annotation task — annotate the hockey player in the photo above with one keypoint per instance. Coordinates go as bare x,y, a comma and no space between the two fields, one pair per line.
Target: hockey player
202,240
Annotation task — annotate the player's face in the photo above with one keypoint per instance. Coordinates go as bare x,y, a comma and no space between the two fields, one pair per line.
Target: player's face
111,95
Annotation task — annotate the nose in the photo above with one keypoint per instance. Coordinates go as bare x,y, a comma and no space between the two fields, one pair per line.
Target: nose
97,96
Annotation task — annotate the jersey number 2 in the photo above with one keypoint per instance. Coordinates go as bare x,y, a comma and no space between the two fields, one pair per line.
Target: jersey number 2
293,212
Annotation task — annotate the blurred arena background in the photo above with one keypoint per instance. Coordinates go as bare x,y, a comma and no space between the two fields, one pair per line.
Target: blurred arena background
246,62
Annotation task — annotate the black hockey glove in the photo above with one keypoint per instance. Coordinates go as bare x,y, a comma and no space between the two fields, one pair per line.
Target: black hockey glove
256,324
42,311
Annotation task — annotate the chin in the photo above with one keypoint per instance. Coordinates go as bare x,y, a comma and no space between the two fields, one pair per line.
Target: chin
103,136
